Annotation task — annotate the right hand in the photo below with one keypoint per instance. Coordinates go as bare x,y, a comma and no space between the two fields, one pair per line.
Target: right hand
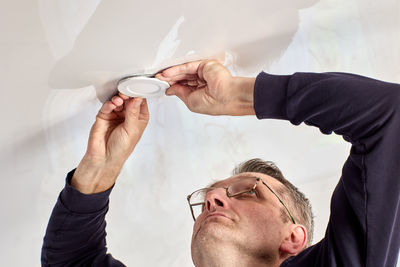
207,87
119,125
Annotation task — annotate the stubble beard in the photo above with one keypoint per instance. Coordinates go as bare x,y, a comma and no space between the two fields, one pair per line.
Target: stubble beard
218,241
212,239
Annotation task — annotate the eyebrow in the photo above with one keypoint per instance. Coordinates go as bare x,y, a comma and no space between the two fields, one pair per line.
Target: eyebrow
238,176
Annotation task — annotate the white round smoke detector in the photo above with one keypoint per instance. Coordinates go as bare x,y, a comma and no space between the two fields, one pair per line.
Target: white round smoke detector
142,86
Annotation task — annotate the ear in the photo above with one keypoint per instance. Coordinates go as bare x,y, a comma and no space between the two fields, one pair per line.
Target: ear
295,241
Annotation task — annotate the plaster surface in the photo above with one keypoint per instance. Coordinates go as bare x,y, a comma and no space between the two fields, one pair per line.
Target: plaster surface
61,59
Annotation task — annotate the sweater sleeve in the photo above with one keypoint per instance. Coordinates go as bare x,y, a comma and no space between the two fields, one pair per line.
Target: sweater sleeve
76,235
364,225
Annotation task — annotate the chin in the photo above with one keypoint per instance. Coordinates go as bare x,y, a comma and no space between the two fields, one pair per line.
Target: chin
210,239
213,231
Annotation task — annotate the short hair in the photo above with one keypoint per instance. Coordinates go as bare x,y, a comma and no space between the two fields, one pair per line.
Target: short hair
297,202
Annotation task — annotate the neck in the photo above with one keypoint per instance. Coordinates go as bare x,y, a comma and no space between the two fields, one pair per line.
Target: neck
230,257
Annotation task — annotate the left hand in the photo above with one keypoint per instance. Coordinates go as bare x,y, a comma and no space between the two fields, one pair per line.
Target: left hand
207,87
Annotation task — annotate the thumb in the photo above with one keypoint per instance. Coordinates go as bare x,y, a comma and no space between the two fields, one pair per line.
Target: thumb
181,91
132,112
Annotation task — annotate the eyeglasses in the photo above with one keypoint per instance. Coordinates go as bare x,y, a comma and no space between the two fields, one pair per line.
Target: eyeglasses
243,187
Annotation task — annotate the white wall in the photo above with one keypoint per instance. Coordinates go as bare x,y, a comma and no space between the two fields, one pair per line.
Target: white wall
58,59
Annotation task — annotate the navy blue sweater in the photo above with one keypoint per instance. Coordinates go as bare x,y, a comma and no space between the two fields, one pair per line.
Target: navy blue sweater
364,225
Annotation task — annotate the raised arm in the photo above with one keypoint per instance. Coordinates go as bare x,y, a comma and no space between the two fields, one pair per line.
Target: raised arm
364,227
75,235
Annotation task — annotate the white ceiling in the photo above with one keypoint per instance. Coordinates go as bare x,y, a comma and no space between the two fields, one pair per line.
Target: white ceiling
60,59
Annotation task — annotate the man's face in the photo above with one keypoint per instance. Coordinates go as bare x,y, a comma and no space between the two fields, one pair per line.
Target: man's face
251,224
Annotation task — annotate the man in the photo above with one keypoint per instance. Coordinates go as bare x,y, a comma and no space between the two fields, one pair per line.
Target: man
254,217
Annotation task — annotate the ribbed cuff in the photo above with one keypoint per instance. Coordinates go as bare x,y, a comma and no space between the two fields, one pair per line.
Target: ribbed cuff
270,96
78,202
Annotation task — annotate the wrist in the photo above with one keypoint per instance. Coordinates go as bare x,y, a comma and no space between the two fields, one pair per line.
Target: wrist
94,176
243,98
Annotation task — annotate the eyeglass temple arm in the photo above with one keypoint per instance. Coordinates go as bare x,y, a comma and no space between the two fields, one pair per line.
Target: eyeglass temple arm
284,205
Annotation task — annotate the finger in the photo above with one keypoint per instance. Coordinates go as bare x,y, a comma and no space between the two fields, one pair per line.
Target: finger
117,100
181,91
124,97
206,67
193,83
132,112
184,76
161,77
178,78
144,111
107,108
186,68
119,109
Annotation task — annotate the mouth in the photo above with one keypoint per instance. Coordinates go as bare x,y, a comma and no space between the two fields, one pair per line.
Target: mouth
212,217
215,215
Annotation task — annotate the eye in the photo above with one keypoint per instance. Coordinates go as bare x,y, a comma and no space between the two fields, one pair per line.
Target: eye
251,193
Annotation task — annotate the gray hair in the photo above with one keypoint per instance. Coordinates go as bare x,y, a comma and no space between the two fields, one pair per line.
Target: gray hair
297,202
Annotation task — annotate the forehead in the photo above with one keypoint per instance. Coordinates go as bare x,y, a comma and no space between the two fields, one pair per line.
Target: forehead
272,182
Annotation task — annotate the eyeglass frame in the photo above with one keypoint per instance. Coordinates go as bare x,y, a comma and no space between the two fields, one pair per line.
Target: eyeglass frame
240,193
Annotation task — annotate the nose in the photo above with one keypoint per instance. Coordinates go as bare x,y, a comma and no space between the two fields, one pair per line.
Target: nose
216,198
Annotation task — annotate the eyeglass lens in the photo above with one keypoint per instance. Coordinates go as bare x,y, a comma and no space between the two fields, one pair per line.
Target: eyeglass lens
197,199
